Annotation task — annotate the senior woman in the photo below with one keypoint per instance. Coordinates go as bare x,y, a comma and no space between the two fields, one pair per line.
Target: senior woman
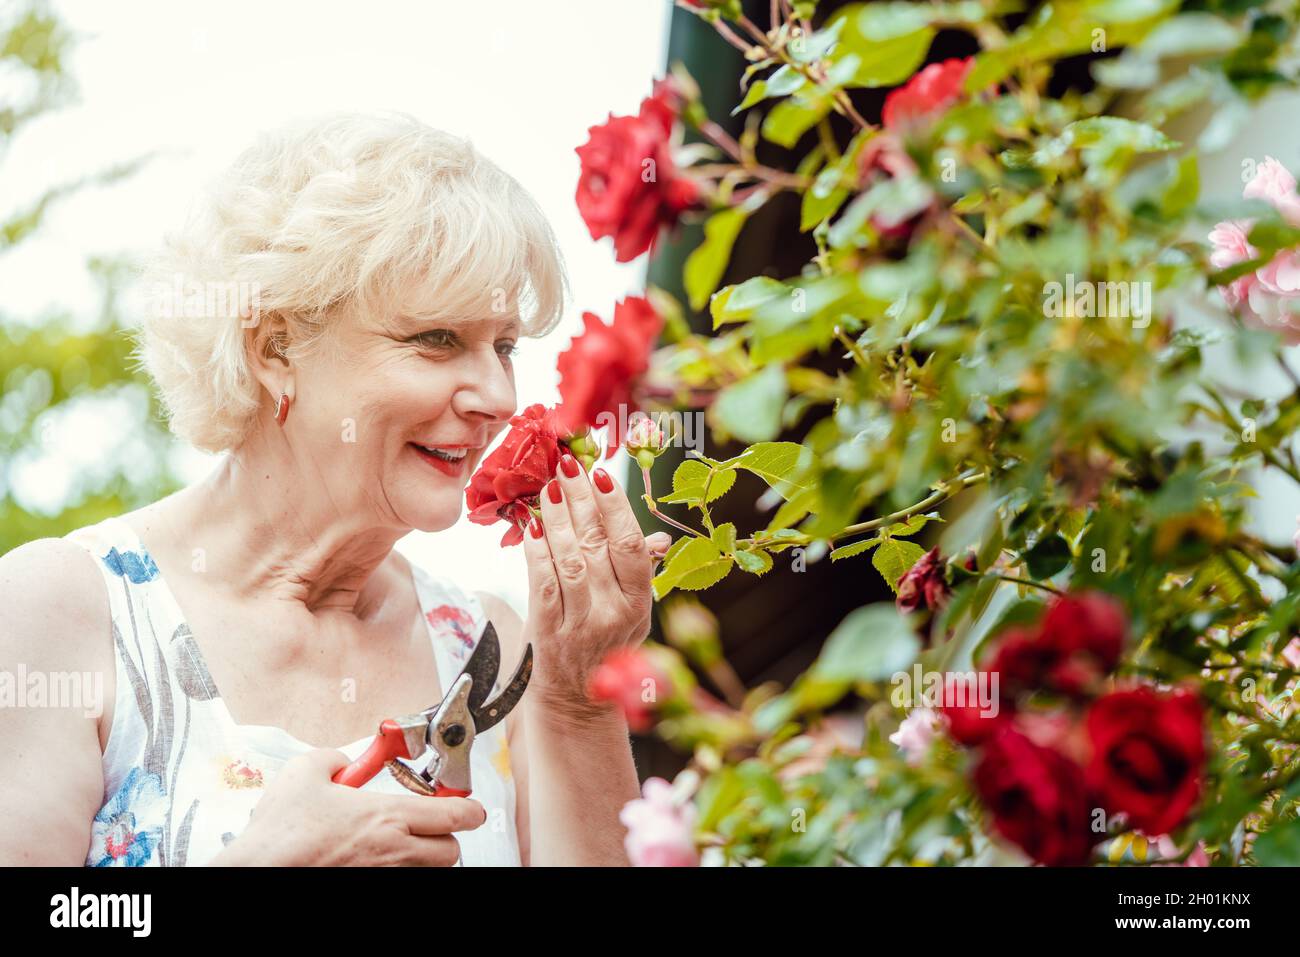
254,628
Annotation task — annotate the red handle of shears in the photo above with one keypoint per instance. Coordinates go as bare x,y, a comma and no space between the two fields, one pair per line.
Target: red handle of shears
388,744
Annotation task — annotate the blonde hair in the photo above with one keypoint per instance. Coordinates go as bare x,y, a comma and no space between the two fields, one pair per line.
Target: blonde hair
352,212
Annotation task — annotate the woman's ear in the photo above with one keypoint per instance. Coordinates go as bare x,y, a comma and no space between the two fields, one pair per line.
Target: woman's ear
268,344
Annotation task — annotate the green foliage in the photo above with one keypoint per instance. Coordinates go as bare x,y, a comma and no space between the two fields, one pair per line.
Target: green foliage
60,362
1064,440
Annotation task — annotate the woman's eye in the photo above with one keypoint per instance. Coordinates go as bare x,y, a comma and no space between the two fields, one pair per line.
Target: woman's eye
507,350
437,338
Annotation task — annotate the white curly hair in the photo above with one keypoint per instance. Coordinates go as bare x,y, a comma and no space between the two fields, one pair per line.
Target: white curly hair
338,215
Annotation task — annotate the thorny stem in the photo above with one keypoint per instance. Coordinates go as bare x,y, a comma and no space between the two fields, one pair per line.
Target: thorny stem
942,494
843,104
649,500
1027,581
853,348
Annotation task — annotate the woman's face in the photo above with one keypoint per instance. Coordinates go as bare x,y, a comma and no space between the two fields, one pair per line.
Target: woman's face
400,413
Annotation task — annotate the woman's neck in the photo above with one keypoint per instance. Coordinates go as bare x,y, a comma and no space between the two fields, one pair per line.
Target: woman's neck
268,531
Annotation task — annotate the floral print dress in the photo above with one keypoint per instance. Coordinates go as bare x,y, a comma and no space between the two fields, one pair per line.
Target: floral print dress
181,777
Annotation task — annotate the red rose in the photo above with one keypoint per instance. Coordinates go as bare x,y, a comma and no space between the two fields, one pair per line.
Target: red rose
1037,798
629,679
510,478
1022,662
1148,751
601,365
1077,643
1090,623
629,188
968,724
926,95
923,585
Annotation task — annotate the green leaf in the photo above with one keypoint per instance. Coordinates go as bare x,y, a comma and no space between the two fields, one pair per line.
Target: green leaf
1279,846
1183,188
795,508
894,558
724,536
774,462
857,548
755,562
912,525
886,45
1112,132
751,409
1271,235
738,303
786,122
1048,557
705,266
690,478
870,644
696,565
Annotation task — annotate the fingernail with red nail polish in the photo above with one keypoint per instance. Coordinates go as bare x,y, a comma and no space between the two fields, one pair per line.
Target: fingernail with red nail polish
554,493
569,465
535,528
602,480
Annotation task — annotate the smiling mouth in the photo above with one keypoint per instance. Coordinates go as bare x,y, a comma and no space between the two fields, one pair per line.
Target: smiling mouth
445,453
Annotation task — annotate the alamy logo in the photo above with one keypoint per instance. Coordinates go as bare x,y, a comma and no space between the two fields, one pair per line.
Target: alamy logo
102,910
1089,300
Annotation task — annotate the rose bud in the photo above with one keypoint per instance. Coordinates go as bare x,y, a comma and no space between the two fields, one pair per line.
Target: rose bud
923,586
629,679
645,440
584,448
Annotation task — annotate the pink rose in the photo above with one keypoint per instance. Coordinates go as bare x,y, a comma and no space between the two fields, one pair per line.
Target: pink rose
1165,849
1268,309
915,735
1230,248
1274,184
659,828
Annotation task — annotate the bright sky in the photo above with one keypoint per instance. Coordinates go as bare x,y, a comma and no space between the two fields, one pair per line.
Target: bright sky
193,82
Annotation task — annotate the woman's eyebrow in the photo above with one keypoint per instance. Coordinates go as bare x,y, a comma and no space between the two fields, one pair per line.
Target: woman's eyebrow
498,325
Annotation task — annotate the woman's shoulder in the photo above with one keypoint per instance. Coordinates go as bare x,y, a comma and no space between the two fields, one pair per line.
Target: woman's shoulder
54,596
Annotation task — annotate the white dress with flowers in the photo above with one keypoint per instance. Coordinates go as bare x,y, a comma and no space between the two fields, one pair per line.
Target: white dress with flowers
181,777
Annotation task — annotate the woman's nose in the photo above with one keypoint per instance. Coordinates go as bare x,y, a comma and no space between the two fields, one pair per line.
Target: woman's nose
488,391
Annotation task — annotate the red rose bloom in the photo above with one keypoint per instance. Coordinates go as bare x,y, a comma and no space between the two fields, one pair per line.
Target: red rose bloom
1022,662
923,585
1090,623
509,479
968,724
1148,751
601,365
629,679
1037,799
1077,643
926,95
629,188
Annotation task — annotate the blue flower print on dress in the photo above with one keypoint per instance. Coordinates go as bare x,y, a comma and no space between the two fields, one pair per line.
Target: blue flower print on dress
136,567
114,833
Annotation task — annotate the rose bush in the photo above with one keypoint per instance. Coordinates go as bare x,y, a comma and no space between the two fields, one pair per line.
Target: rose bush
1006,411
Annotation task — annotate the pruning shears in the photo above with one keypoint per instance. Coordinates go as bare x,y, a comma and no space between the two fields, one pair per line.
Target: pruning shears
448,728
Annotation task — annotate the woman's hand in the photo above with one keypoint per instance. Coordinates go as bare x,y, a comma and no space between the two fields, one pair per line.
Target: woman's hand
305,819
589,571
